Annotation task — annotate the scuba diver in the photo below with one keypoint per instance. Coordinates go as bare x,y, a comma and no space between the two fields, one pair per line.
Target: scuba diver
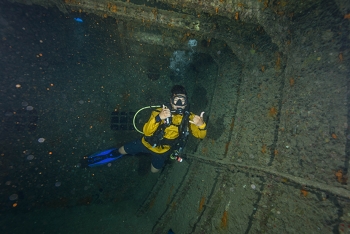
164,135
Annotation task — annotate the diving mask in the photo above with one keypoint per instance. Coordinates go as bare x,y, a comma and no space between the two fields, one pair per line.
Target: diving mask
179,100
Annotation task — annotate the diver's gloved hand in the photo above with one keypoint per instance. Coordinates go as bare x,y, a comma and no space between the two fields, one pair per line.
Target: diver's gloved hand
165,113
198,120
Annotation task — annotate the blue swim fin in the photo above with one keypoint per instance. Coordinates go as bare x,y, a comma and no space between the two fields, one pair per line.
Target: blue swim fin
103,157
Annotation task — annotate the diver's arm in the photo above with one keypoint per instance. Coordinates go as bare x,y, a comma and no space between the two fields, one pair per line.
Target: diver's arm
197,126
199,132
152,124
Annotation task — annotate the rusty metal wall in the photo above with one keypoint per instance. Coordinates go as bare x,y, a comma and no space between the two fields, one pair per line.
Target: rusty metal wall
276,151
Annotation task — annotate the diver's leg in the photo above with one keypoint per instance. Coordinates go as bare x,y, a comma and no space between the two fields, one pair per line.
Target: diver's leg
122,150
153,169
136,146
158,161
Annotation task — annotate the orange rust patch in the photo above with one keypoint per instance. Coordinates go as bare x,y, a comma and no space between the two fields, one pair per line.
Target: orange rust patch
224,218
114,9
170,193
304,192
278,62
226,147
232,123
273,112
201,204
151,204
340,177
291,82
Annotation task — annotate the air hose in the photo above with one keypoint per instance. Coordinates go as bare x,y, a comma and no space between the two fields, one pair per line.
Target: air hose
143,108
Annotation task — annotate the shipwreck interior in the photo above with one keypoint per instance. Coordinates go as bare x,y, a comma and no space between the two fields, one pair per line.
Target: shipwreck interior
272,77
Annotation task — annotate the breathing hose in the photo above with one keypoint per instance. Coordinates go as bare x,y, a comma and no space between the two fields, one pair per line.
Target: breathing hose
143,108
